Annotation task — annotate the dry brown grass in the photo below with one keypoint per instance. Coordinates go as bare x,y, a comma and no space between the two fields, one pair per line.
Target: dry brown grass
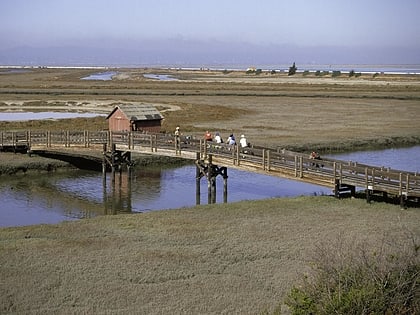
239,258
277,110
231,258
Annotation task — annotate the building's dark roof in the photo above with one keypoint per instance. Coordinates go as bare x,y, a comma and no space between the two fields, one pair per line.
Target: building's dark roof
138,112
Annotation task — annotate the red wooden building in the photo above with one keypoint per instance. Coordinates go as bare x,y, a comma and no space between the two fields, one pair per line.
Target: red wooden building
135,117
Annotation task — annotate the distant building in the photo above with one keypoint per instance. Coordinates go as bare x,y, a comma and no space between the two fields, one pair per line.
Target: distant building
135,117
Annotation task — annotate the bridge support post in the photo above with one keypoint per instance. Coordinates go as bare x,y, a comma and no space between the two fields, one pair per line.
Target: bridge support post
211,172
403,201
225,191
337,188
368,195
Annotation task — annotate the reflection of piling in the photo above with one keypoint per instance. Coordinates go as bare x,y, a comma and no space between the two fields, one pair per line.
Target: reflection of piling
115,160
210,171
211,189
197,182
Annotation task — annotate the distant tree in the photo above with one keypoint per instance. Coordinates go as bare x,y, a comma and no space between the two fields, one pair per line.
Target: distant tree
258,71
351,73
336,74
292,69
273,71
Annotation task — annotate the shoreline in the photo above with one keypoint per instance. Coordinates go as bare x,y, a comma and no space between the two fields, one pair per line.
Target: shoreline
21,164
400,69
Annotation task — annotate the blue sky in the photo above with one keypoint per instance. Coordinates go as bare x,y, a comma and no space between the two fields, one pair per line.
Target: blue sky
207,31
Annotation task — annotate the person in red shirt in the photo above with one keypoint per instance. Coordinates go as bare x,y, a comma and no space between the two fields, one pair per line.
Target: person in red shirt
208,136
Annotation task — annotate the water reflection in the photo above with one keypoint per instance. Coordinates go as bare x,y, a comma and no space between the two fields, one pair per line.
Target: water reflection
82,194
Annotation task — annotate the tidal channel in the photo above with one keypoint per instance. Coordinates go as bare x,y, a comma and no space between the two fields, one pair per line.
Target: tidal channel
52,198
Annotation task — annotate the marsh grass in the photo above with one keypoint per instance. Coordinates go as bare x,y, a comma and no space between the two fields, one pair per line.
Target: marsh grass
272,110
240,258
228,258
351,276
17,164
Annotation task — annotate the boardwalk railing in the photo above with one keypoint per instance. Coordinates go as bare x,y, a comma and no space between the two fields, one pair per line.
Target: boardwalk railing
339,175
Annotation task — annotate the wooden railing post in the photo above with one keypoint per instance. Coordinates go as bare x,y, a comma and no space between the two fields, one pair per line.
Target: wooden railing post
130,140
237,147
268,160
367,178
296,166
401,185
373,178
110,140
300,167
86,138
204,149
263,159
407,184
341,172
28,139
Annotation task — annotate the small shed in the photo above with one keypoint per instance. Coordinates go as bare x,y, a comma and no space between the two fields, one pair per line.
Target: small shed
135,117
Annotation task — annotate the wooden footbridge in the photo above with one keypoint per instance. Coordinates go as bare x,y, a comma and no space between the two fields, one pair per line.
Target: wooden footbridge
116,147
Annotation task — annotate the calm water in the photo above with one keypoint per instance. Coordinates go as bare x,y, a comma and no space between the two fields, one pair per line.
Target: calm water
161,77
53,198
19,116
103,76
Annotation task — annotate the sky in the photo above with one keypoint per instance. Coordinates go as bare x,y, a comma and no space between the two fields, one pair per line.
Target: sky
209,32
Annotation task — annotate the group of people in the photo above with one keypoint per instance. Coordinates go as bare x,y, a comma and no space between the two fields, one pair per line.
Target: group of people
230,140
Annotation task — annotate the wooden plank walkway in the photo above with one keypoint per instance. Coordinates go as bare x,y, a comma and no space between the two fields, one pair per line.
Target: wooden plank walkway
340,176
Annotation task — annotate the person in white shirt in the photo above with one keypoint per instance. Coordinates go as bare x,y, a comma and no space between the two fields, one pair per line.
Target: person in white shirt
217,138
231,140
243,141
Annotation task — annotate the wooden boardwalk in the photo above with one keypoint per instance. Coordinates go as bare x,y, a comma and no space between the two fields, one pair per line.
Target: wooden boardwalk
340,176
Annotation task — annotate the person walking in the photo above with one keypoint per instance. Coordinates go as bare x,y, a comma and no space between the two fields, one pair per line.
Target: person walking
177,140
